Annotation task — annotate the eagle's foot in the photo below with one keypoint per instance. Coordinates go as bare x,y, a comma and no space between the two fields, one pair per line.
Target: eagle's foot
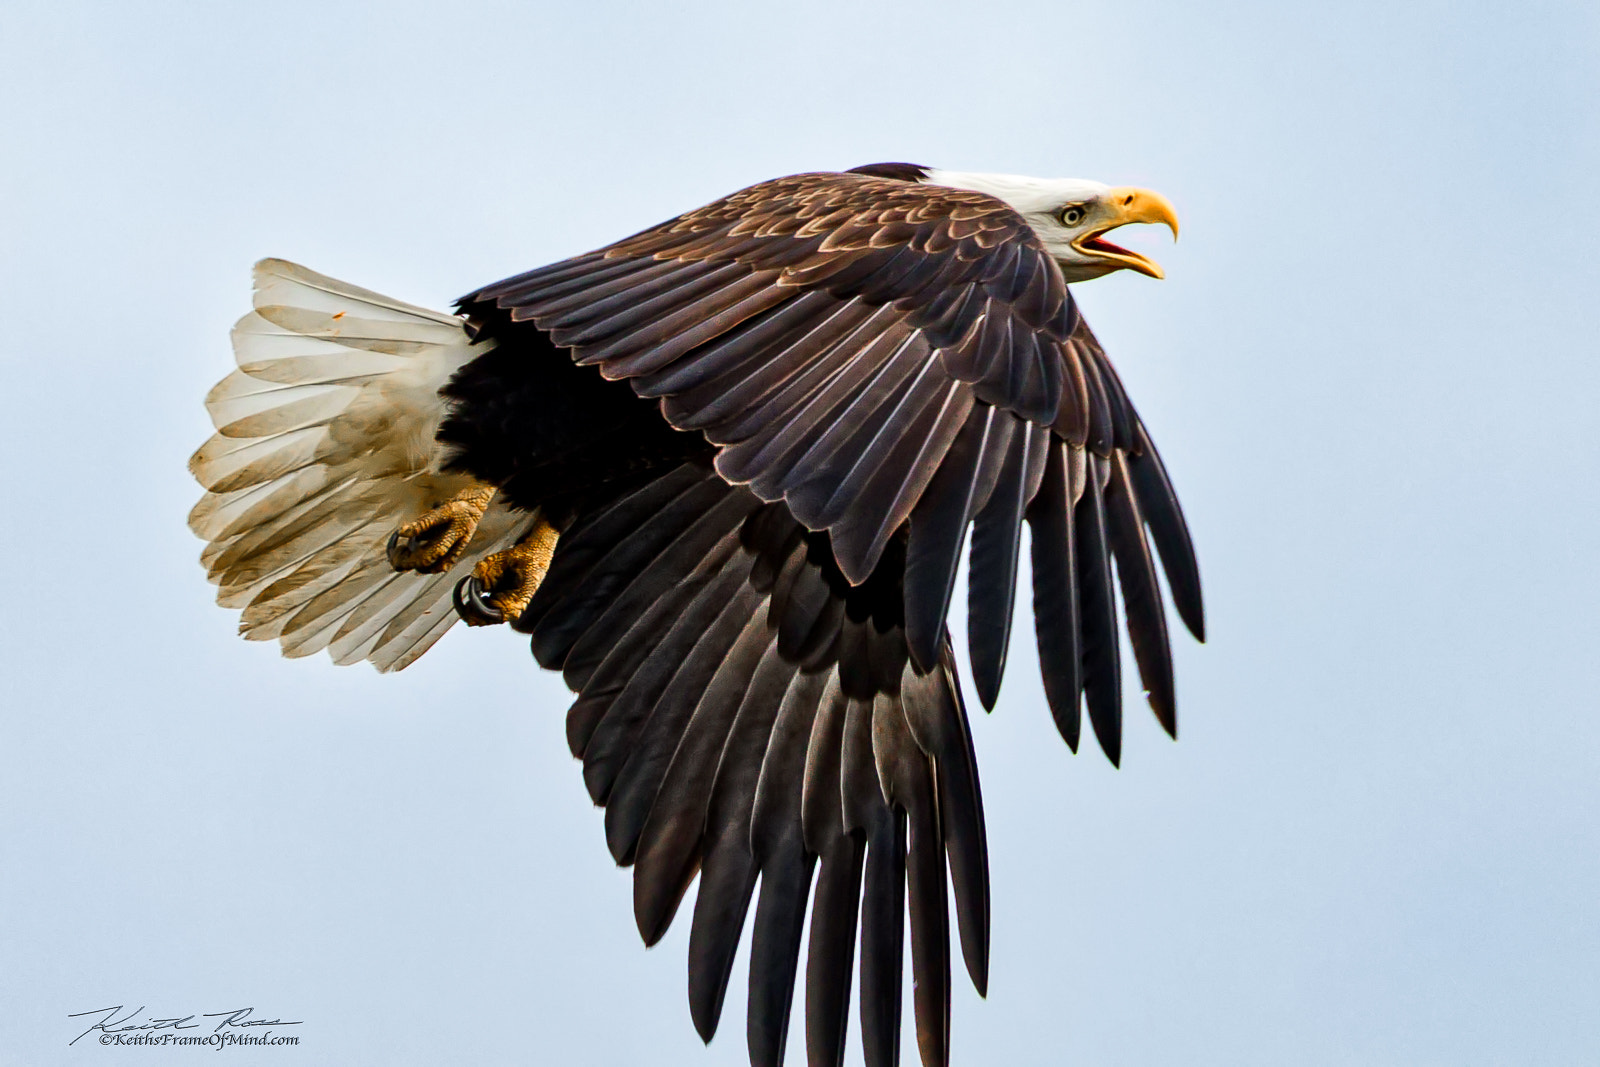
503,583
436,540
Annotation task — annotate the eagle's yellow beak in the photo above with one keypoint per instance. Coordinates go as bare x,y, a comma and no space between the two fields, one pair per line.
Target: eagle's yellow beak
1121,207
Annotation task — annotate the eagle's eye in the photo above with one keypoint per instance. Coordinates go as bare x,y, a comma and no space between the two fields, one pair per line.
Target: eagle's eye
1073,214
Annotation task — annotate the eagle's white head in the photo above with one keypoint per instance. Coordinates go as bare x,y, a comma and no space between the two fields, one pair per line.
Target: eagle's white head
1070,215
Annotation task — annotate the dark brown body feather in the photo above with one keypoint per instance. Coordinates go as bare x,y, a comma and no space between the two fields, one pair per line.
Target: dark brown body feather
765,429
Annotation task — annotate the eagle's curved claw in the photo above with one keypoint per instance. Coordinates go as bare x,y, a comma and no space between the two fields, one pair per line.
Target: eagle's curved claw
474,605
405,552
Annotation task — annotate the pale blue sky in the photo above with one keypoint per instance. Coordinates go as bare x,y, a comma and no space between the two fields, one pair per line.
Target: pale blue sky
1372,370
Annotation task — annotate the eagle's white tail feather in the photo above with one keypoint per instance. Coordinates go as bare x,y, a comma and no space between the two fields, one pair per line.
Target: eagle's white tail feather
367,621
325,444
274,605
402,649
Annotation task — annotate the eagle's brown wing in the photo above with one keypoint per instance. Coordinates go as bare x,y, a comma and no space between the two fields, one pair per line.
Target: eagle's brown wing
870,352
758,640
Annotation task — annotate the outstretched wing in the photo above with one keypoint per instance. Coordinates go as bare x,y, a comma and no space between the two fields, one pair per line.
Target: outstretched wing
758,641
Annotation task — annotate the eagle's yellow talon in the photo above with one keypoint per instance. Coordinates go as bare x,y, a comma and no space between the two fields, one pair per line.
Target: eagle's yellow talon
436,540
502,584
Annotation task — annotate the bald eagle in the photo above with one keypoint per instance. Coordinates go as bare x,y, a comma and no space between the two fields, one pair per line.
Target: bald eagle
722,473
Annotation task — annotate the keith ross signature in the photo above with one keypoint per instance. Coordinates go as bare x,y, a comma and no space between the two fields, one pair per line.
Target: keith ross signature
107,1023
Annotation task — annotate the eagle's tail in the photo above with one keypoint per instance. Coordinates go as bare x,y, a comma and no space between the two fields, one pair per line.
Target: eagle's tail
325,444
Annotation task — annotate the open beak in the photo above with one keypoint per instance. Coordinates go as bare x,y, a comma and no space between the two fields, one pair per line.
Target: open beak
1121,207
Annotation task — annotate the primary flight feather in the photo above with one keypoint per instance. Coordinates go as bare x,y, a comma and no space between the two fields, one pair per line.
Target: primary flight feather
722,472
